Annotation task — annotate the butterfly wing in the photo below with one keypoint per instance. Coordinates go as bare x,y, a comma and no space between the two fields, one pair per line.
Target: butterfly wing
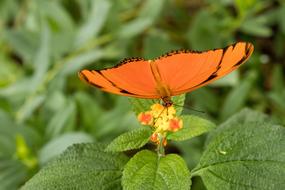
179,72
132,77
185,71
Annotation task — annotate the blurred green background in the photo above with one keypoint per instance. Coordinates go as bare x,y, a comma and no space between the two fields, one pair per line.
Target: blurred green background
44,107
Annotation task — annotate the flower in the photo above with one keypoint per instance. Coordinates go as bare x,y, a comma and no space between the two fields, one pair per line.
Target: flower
175,124
163,120
156,109
145,118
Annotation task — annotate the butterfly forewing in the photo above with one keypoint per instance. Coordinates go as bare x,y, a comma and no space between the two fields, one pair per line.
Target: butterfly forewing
132,78
184,69
196,69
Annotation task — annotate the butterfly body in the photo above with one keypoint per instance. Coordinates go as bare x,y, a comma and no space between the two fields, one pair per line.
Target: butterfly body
161,87
169,75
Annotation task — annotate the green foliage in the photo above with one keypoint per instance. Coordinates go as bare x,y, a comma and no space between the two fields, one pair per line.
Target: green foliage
244,154
59,144
44,107
236,98
82,165
12,174
91,27
146,17
148,171
131,140
192,127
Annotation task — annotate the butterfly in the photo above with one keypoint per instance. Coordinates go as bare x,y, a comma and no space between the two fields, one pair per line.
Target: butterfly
171,74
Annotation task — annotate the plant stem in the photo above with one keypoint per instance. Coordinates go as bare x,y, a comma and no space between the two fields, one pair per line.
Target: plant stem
160,147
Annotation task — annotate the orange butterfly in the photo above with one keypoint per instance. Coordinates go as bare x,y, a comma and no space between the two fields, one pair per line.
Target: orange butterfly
174,73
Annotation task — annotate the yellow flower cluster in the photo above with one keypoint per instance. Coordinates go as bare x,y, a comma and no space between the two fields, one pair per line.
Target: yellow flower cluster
162,119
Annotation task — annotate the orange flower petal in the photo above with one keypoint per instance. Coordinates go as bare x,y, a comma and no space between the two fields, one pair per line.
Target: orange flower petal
175,124
145,118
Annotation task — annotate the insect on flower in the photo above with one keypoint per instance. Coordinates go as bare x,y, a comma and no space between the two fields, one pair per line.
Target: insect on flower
174,73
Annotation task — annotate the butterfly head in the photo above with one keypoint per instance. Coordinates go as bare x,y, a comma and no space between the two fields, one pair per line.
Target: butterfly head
167,101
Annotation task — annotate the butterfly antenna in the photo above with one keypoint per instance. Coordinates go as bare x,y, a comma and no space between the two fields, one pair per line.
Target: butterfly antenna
189,108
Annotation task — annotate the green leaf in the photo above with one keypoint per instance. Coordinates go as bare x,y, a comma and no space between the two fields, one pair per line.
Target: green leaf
12,173
60,121
84,101
146,171
82,60
95,22
81,166
9,71
156,43
147,16
277,100
178,102
29,107
247,153
243,6
244,116
7,9
231,79
28,85
57,145
131,140
135,27
141,105
278,79
8,131
116,121
257,26
59,22
59,19
198,98
237,97
21,86
192,127
281,14
203,36
23,42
